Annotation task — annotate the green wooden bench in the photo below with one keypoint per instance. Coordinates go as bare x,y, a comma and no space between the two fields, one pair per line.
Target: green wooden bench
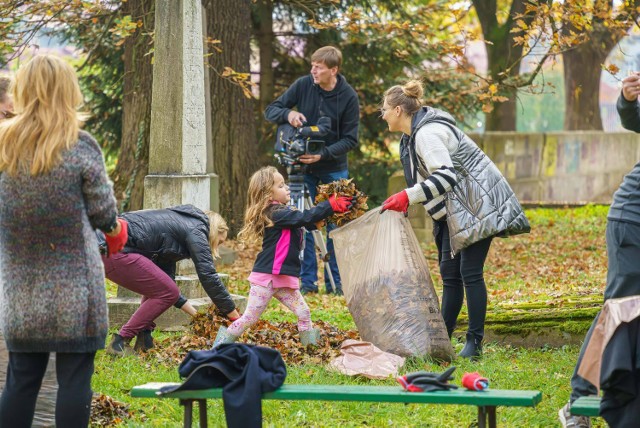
486,401
586,406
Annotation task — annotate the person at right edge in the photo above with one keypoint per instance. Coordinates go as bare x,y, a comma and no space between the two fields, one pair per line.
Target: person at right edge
465,194
623,245
323,93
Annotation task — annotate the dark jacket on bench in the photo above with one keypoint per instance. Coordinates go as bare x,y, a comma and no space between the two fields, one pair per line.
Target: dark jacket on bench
244,372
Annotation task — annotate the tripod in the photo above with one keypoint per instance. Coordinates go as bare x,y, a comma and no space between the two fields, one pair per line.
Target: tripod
301,199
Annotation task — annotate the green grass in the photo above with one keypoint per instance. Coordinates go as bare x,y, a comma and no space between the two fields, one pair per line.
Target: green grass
545,369
563,258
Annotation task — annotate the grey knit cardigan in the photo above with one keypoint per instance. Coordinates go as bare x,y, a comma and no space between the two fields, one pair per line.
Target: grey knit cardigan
51,274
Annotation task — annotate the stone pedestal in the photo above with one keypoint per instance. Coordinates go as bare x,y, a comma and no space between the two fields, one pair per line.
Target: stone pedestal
122,307
166,190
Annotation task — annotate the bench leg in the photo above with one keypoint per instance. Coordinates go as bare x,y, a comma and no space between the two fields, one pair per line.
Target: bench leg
188,412
491,411
483,413
202,405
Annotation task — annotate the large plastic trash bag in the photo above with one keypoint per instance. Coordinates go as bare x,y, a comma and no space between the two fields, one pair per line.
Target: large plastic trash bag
388,288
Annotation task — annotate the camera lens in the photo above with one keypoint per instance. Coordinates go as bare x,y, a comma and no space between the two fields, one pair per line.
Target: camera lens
315,147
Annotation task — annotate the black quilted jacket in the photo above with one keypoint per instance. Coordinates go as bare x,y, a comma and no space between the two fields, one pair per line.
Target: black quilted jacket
168,235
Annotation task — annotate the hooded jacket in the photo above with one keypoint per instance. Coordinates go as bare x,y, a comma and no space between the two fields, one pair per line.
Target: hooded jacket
169,235
339,104
480,203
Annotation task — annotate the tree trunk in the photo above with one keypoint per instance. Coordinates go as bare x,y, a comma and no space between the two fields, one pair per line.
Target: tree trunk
133,160
503,115
232,114
502,57
582,87
263,30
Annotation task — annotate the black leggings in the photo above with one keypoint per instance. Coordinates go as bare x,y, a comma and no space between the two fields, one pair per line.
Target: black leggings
24,378
463,273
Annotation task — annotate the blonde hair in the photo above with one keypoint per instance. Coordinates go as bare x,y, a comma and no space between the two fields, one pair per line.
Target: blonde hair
259,199
328,55
217,225
407,96
46,96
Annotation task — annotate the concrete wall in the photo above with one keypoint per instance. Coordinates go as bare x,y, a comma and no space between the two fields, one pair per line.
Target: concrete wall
562,167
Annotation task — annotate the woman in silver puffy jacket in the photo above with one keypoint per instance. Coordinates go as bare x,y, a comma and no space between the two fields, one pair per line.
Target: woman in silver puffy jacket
465,194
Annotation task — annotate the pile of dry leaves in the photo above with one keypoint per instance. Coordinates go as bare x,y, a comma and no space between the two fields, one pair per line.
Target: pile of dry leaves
106,412
344,187
282,336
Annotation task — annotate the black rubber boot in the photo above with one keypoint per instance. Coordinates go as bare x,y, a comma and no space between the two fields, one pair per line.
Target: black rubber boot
472,348
144,341
119,346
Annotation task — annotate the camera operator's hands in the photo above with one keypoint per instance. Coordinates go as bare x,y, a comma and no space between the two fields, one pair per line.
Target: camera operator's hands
296,119
307,159
340,204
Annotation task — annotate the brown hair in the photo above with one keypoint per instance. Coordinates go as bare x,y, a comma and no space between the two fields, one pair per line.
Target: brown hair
328,55
258,200
407,96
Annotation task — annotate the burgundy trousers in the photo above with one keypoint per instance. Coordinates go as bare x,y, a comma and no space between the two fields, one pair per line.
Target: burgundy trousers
140,275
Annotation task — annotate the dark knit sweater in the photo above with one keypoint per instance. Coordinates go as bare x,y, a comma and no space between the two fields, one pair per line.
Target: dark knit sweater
52,278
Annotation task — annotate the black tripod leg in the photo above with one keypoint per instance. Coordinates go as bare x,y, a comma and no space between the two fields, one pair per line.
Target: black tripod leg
322,246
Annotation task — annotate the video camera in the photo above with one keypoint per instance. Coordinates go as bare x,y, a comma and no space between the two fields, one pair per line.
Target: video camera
292,143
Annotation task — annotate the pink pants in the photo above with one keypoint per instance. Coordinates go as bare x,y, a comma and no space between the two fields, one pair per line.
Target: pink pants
259,298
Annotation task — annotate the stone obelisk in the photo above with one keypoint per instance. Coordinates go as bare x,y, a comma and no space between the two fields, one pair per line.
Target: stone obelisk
178,143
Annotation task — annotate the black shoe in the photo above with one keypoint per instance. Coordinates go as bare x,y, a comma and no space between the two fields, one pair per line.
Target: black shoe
309,288
339,292
472,348
144,341
119,346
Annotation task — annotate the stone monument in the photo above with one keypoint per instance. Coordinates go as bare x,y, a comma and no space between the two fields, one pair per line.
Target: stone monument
178,145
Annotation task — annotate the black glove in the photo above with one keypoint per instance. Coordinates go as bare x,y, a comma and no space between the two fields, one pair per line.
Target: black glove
427,381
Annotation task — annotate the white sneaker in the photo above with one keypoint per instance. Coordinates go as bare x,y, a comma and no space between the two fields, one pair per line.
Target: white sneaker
572,421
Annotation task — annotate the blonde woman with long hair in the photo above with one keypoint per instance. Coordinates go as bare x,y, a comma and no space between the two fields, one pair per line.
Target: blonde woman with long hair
54,191
158,239
277,267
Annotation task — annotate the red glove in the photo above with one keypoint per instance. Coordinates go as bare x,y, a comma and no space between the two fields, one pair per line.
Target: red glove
340,204
115,244
398,202
475,382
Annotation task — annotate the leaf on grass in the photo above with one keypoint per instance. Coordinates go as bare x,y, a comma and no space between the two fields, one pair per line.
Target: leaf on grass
282,336
107,412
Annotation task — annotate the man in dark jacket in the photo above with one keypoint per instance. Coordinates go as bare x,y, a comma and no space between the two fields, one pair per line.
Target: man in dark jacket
324,93
623,243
